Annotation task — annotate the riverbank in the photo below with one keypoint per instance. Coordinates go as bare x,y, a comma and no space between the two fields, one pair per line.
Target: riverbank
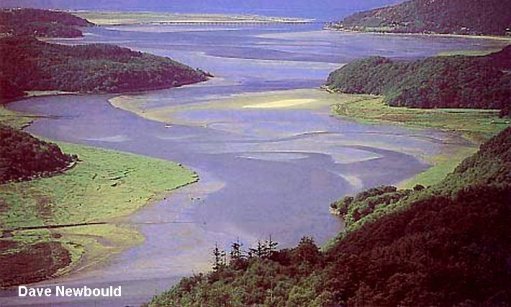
469,52
476,126
97,193
377,31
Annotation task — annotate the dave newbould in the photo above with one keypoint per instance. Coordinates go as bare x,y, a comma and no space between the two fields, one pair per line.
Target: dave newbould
63,291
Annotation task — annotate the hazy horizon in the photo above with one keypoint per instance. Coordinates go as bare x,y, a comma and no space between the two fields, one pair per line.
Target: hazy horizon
320,9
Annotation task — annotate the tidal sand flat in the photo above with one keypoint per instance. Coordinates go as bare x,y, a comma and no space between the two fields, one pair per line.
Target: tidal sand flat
162,18
279,104
363,108
300,99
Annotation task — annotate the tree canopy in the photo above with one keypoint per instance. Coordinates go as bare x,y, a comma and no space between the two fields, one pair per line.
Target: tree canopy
435,16
24,157
41,23
481,82
28,64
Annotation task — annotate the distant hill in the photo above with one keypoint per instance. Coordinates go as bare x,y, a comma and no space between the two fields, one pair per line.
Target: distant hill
435,16
482,82
28,64
24,157
41,23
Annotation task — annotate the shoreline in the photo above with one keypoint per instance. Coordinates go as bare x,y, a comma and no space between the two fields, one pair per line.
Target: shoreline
483,124
94,255
51,93
447,35
98,258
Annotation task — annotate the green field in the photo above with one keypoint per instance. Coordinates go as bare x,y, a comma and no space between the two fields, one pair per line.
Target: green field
14,119
103,187
476,126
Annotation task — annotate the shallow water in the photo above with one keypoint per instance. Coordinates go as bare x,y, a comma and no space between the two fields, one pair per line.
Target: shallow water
263,171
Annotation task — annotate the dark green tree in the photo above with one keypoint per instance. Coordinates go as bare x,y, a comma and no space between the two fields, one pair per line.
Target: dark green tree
306,252
219,261
271,247
238,260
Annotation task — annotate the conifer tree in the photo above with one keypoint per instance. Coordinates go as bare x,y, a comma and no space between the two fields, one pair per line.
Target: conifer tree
218,259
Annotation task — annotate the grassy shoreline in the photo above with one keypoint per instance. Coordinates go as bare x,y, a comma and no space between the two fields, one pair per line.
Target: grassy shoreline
383,32
105,186
475,126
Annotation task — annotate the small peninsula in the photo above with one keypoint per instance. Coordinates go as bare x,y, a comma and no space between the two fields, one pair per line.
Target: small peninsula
28,64
475,82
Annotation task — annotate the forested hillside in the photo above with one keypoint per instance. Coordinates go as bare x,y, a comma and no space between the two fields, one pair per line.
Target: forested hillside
27,64
482,82
24,157
435,16
445,245
41,23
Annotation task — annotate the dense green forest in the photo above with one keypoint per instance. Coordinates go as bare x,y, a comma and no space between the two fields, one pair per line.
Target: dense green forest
41,23
482,82
24,157
444,245
28,64
435,16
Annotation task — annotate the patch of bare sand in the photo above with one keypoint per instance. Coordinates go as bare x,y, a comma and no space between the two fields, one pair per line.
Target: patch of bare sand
177,114
284,103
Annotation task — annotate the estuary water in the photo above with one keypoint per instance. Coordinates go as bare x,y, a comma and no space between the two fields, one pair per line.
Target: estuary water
263,171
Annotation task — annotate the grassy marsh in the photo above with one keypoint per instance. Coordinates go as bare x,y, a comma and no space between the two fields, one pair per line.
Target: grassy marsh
476,126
